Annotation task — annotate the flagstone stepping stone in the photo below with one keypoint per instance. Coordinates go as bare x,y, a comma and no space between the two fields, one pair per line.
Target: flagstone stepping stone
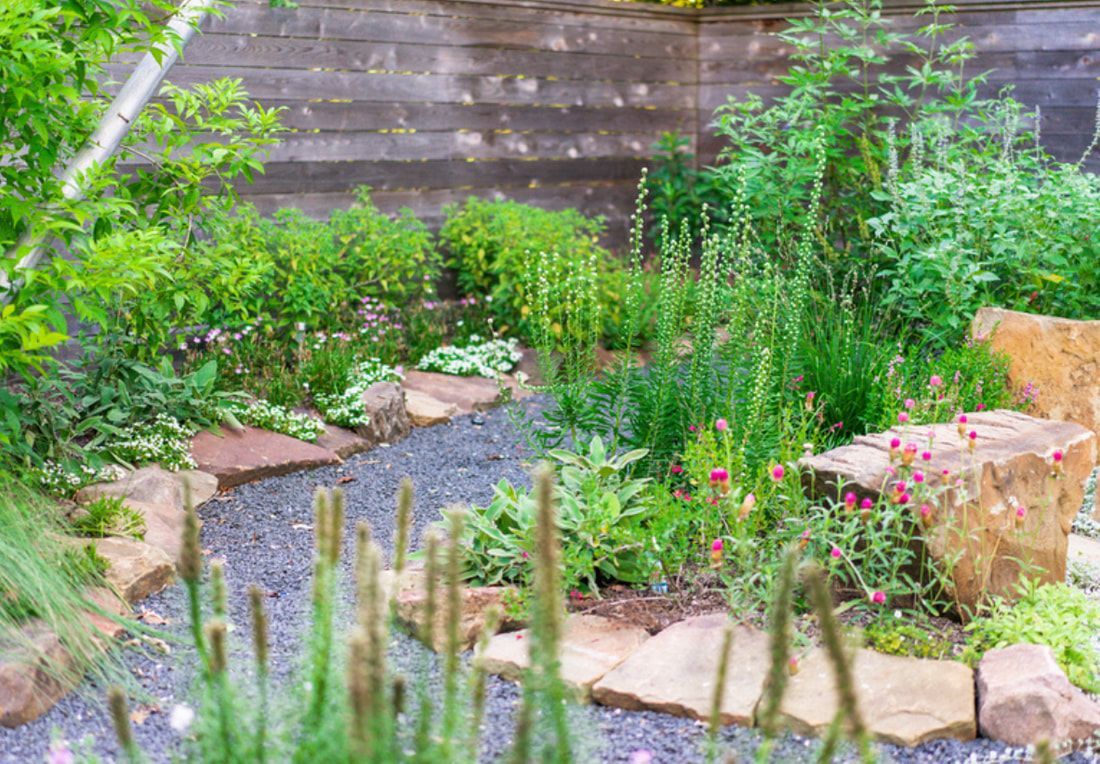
1059,357
242,456
674,672
135,569
385,405
1024,697
469,394
426,411
1011,466
411,595
905,701
36,671
343,442
590,647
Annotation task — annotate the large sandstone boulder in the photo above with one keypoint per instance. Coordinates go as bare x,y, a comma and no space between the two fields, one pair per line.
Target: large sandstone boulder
1059,357
1024,698
975,518
905,701
590,647
675,671
154,486
35,672
385,405
241,456
134,569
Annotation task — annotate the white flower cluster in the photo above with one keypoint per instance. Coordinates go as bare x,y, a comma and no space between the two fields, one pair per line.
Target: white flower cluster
270,416
164,441
59,480
476,359
346,409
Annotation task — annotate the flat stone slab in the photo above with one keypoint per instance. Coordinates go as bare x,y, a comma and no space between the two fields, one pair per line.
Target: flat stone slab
242,456
590,647
905,701
1058,357
426,411
135,569
1024,697
154,485
468,394
1011,466
674,672
343,442
36,671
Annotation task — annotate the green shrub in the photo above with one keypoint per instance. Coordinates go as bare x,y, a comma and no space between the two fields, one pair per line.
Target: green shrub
109,516
494,246
1056,615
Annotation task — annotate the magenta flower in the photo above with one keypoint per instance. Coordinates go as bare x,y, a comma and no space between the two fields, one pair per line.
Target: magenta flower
900,486
849,501
878,598
910,403
903,417
835,553
717,546
973,435
1058,456
904,498
778,472
676,469
935,380
721,425
963,419
719,475
1021,512
927,456
918,477
925,511
866,504
895,442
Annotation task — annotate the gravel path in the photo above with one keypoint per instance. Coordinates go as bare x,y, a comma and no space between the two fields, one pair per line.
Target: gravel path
263,532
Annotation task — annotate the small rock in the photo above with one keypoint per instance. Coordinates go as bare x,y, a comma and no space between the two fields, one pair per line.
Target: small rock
477,420
202,485
426,411
1084,550
469,394
590,647
674,672
36,671
905,701
385,405
241,456
1024,698
135,569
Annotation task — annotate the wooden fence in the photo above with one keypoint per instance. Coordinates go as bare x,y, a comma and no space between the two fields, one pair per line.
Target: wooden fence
555,102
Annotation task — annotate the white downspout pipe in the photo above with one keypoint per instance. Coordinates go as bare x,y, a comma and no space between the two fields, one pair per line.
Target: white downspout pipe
142,85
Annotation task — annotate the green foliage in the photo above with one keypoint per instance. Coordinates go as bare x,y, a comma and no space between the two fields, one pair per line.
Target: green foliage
600,517
895,636
495,246
1056,615
679,191
109,516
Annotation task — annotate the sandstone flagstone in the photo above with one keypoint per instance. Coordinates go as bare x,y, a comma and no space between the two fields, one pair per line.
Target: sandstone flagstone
674,672
1011,466
241,456
35,672
469,394
1024,697
343,442
135,569
426,411
590,647
902,700
1059,357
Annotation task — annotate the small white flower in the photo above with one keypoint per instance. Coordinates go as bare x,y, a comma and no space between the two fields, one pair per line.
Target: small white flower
181,718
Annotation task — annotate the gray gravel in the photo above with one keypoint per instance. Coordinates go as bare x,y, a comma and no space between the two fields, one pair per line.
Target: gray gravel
263,532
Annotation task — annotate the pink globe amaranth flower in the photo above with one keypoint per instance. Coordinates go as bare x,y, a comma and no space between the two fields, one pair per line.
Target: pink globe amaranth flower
927,456
850,501
925,511
676,469
1058,456
891,471
1021,512
717,545
778,472
963,419
866,504
900,486
973,435
878,598
721,425
835,553
981,407
903,417
719,475
918,477
910,403
935,380
904,498
895,442
691,428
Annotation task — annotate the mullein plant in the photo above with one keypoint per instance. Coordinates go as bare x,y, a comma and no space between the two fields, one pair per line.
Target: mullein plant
355,707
